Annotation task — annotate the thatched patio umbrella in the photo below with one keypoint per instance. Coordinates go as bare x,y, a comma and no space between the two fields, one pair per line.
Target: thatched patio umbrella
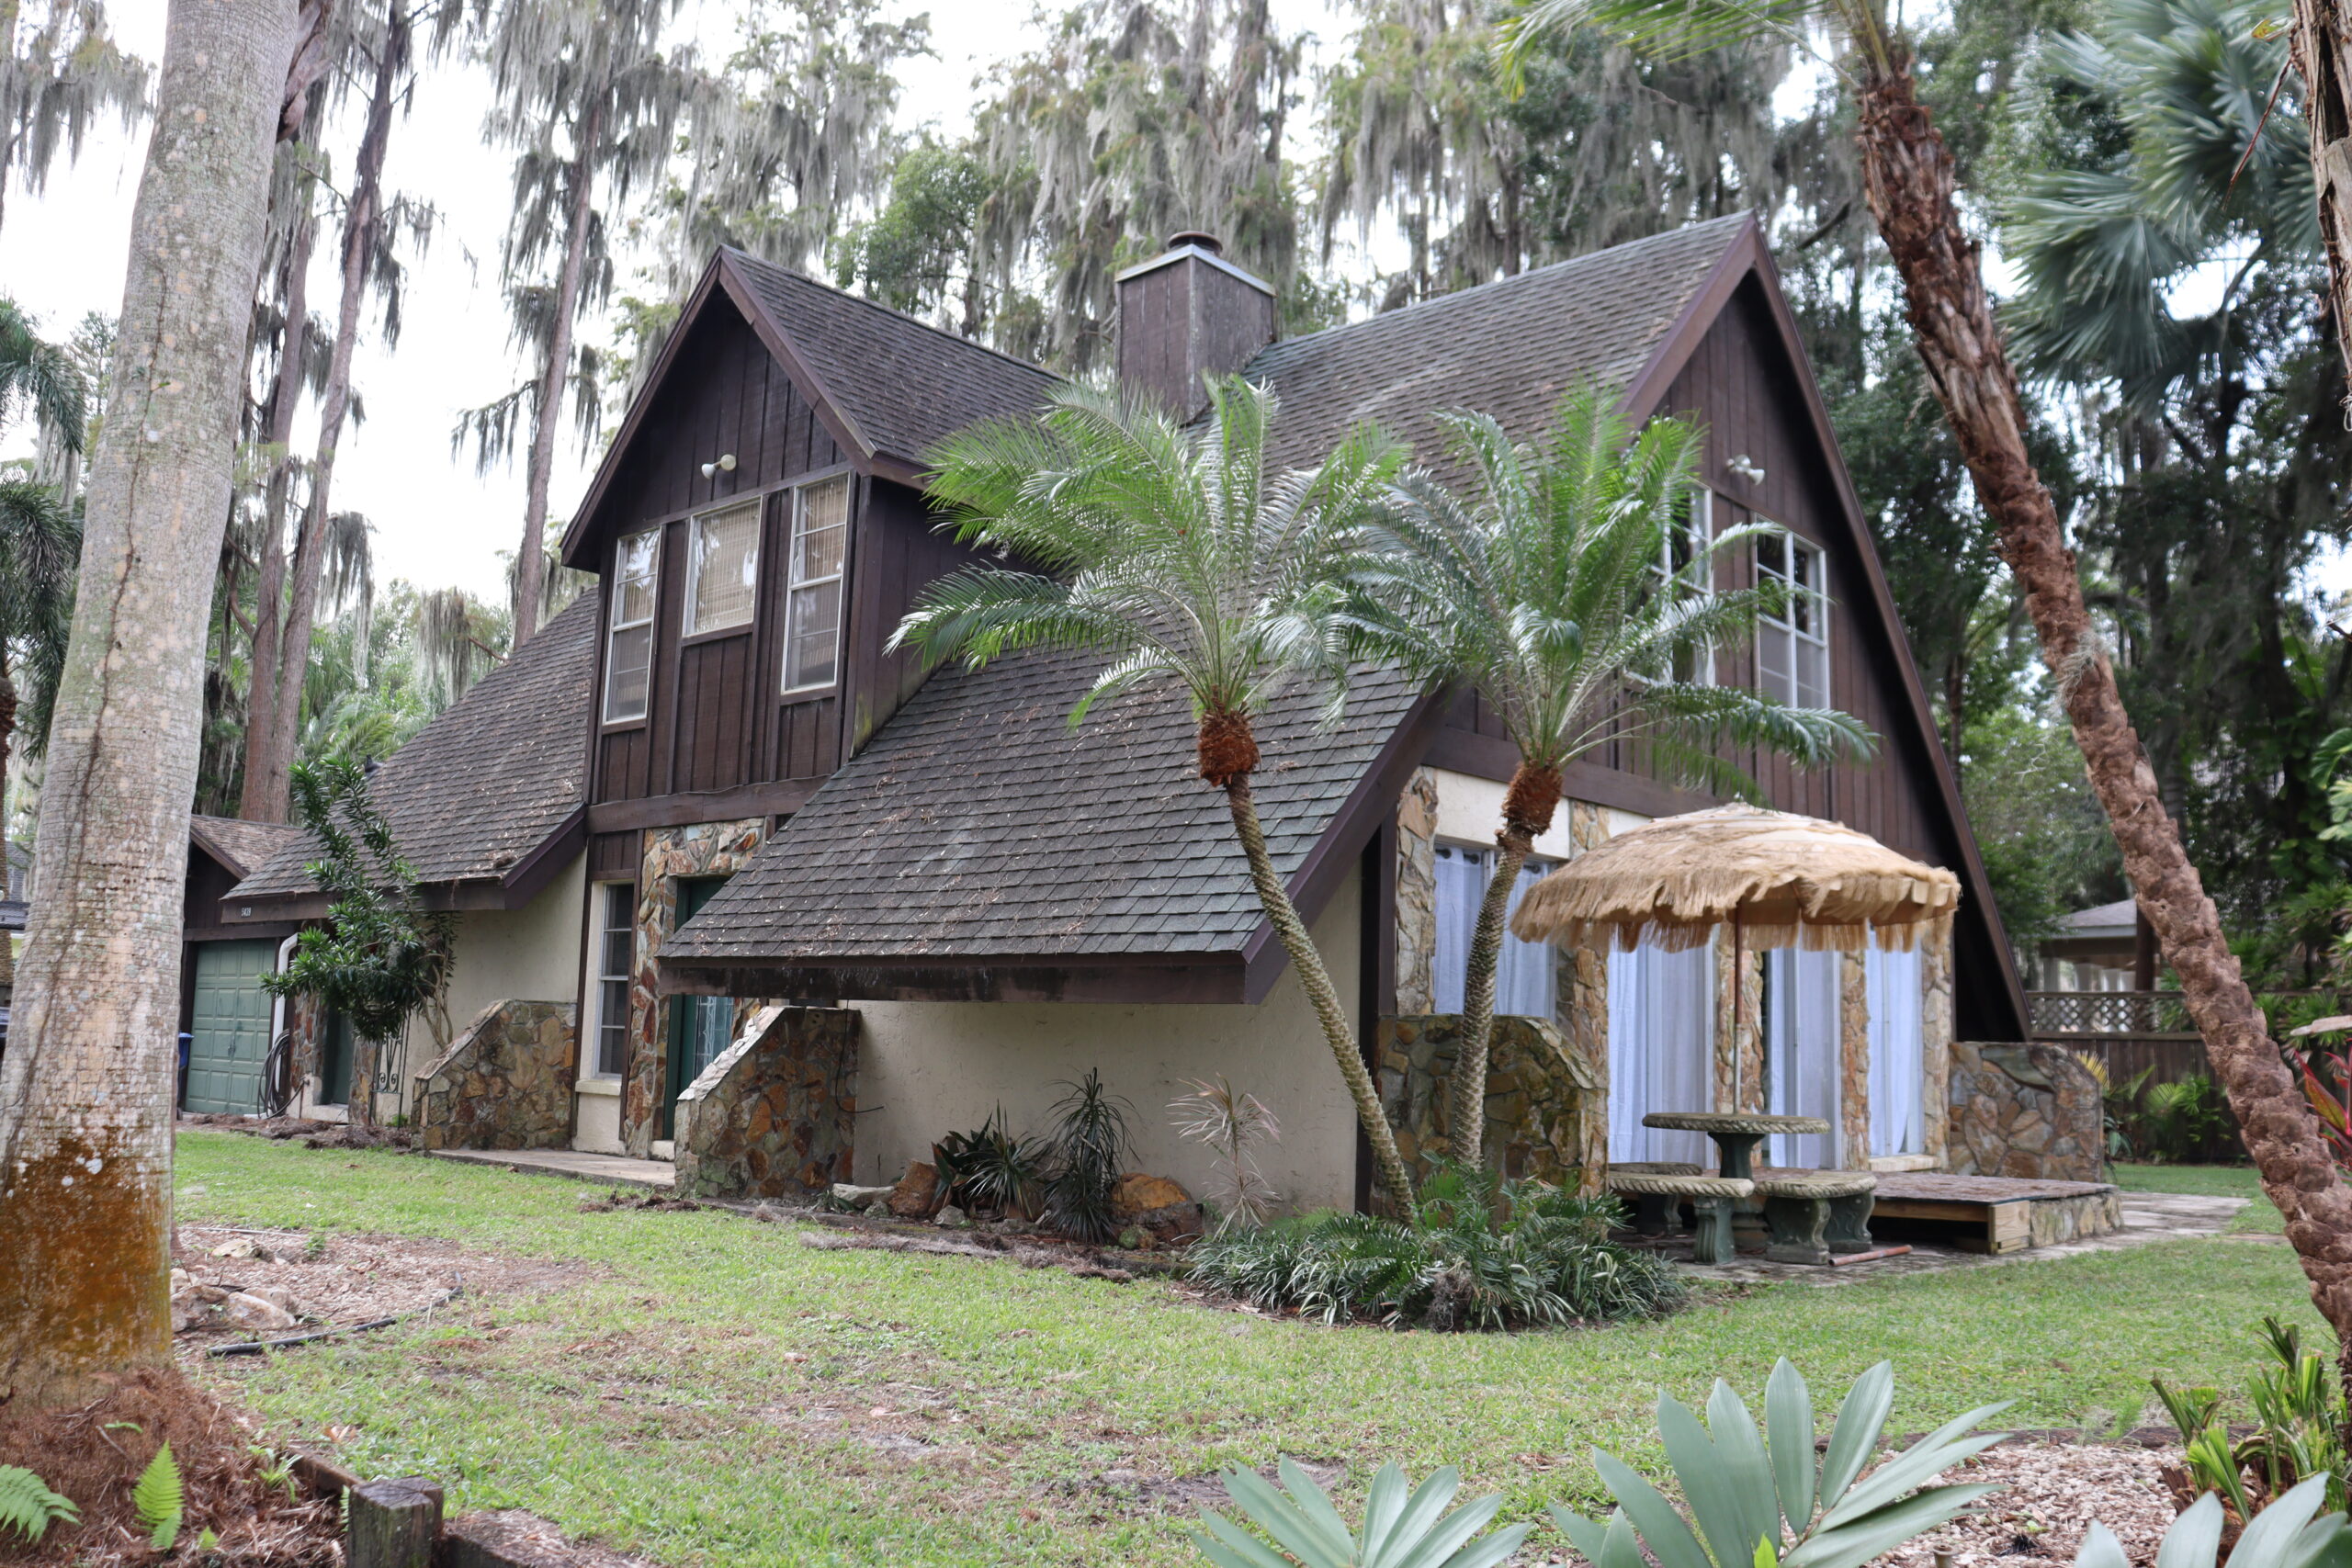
1778,879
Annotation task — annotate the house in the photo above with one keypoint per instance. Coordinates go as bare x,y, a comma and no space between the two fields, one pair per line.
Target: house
827,906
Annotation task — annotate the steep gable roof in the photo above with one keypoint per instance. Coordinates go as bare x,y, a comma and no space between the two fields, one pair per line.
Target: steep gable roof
240,846
488,793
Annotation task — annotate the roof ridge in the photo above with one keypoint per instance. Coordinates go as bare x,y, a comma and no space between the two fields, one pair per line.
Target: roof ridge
874,305
1411,311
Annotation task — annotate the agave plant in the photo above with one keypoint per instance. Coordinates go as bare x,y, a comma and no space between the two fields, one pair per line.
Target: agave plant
1760,1499
2284,1535
1400,1529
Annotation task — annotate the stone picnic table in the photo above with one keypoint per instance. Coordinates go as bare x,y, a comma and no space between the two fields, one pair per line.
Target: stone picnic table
1736,1135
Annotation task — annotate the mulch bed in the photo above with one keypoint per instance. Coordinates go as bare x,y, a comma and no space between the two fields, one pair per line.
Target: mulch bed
95,1454
2050,1495
310,1135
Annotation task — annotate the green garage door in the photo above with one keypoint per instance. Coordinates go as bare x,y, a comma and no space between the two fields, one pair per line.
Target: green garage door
230,1035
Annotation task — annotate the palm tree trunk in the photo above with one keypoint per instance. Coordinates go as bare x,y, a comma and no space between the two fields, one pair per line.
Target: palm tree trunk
263,797
2323,52
531,564
1466,1124
1309,962
86,1088
1908,176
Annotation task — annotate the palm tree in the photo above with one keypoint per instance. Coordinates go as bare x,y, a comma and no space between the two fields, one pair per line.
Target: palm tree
1910,182
1182,558
85,1088
1572,593
40,551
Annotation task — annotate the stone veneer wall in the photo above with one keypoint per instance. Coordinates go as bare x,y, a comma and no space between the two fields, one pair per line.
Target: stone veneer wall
1545,1112
503,1083
702,849
2030,1111
1417,894
775,1116
1936,1043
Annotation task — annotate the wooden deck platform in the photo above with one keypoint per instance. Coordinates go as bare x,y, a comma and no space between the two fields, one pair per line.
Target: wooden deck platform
1992,1213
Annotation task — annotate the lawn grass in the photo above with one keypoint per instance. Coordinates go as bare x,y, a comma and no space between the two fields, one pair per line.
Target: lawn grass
665,1403
2207,1180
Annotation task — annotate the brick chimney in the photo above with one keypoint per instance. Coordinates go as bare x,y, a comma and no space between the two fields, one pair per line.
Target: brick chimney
1186,314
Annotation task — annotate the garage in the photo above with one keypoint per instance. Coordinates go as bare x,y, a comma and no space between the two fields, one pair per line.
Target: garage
228,1032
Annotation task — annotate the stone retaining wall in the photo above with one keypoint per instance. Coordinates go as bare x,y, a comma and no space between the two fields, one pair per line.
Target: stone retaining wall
1544,1107
504,1082
775,1115
2029,1111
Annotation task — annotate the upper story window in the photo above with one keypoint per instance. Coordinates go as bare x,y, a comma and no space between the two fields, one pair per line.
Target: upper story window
812,609
1684,570
723,581
628,652
1792,648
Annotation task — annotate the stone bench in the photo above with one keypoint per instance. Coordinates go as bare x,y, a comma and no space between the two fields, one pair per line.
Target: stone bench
1815,1215
1656,1191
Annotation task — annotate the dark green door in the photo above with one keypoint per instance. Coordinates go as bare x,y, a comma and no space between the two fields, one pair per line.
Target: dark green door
334,1061
229,1035
700,1027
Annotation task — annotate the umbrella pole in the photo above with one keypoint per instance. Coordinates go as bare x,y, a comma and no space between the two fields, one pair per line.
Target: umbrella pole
1738,1003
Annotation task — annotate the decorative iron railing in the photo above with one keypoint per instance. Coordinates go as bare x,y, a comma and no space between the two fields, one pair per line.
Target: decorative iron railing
2132,1014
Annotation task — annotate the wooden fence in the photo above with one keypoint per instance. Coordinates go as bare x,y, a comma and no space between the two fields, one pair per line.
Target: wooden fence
2132,1031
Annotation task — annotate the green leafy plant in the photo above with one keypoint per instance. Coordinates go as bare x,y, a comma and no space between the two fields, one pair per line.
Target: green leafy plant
2188,1122
2298,1428
2284,1535
1482,1252
1400,1529
1761,1498
27,1508
157,1501
1230,1124
993,1170
1089,1142
275,1470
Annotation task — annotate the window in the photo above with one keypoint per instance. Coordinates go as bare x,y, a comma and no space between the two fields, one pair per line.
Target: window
1899,1052
1661,1050
726,571
1524,977
1684,570
1804,1025
1792,648
614,955
812,613
629,654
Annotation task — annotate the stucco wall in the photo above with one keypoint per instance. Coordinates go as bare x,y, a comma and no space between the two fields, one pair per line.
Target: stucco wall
926,1068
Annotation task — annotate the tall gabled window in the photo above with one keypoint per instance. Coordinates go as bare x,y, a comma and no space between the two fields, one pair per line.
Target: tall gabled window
628,652
614,955
724,575
1792,648
812,609
1683,570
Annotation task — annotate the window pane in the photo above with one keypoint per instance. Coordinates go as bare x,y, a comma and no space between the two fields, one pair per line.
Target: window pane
633,578
627,674
820,529
1771,557
726,569
612,1034
1812,675
1773,661
810,634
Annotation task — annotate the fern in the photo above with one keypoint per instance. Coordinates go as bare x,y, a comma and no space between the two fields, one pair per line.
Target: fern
156,1499
27,1508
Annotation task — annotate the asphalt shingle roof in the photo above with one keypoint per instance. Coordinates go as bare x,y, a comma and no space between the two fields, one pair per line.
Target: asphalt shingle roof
240,845
1511,348
485,783
903,385
977,823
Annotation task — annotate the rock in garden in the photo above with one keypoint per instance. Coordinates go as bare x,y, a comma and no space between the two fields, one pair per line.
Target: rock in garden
243,1246
1155,1206
849,1195
917,1193
952,1218
247,1311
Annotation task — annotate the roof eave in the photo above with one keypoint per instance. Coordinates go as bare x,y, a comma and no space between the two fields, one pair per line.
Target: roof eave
510,888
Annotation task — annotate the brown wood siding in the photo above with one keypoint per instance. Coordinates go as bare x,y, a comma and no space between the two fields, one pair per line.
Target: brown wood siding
1740,384
898,551
614,857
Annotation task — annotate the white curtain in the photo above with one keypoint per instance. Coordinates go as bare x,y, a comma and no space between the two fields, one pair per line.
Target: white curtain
1661,1051
1800,1047
1523,983
1898,1116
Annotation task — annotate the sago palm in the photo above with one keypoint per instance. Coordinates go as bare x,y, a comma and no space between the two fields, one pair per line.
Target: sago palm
1568,590
1185,558
1911,183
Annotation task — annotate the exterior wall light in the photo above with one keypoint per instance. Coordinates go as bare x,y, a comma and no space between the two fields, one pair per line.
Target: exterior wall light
726,463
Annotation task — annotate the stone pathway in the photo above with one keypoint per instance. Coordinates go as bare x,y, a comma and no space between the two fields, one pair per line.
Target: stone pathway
615,1170
2147,1216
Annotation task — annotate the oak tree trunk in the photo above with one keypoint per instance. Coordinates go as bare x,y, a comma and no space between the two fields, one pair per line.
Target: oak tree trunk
264,797
85,1088
8,747
1908,177
531,565
1317,980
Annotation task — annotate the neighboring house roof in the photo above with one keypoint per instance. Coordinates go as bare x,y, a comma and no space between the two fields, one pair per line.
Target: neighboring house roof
1511,349
2118,919
978,824
240,846
900,385
490,792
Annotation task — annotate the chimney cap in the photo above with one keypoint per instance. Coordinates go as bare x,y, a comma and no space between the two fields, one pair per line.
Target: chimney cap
1200,237
1194,244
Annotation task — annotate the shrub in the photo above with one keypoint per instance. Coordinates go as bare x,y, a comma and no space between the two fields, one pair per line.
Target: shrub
1089,1140
1482,1252
27,1508
1230,1125
992,1171
1405,1531
2298,1434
